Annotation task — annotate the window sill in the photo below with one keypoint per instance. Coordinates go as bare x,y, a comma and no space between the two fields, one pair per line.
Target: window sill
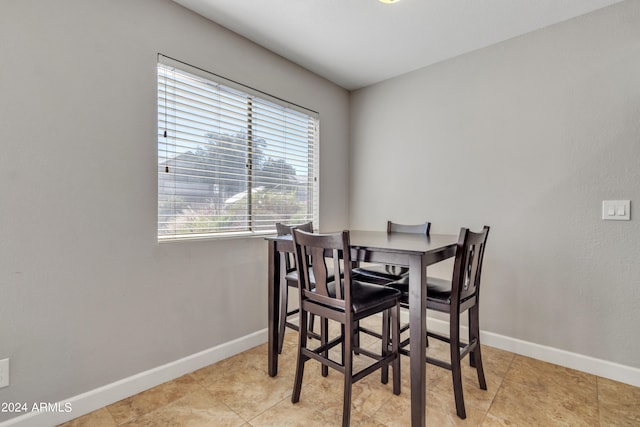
221,236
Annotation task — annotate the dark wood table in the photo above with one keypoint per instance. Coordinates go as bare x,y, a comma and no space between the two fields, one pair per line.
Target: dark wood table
415,251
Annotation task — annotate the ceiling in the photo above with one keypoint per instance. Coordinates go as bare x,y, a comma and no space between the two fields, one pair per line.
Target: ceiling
356,43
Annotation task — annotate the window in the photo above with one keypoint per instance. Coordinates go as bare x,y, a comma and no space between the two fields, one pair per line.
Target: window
231,160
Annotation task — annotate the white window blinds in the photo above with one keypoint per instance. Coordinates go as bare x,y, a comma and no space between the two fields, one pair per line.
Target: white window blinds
231,160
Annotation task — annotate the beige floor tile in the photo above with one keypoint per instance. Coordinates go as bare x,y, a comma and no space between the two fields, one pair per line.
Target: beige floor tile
536,393
539,375
440,417
99,418
369,394
474,397
440,411
303,413
199,408
434,375
496,362
493,421
247,390
320,402
152,399
396,412
619,403
255,358
320,405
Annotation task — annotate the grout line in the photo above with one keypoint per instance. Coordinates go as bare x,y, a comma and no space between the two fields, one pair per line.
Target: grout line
502,381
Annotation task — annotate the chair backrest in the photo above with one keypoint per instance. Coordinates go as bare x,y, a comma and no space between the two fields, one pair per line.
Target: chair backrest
314,251
393,227
467,267
284,230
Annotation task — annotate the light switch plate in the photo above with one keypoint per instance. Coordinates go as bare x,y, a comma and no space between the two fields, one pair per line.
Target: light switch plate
617,210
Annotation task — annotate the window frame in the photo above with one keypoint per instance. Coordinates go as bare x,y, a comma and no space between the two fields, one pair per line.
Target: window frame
253,227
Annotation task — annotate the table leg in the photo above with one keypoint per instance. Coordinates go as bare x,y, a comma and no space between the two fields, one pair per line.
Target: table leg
273,307
417,335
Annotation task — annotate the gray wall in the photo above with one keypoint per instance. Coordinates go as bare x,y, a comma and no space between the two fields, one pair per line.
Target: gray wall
528,136
87,295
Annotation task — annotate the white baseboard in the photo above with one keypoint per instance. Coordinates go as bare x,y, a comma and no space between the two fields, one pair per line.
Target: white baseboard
111,393
591,365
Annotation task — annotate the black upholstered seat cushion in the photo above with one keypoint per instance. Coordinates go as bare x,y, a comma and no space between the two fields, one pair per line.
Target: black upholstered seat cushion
437,289
378,280
389,272
292,276
366,295
401,284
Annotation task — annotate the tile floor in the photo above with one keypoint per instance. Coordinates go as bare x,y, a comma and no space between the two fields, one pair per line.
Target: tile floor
238,392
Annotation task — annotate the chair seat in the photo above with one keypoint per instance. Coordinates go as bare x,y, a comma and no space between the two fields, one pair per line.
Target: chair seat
401,284
388,272
292,277
437,289
376,280
365,296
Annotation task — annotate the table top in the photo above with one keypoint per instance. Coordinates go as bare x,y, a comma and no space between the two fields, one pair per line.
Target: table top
393,242
400,242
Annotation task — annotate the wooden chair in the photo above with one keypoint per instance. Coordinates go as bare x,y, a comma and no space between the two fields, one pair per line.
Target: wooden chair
454,297
382,274
345,301
291,279
460,294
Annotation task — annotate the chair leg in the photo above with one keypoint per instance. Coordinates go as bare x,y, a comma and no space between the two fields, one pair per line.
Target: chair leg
427,337
475,358
284,299
356,338
342,346
386,333
456,370
472,335
324,338
348,374
395,348
302,343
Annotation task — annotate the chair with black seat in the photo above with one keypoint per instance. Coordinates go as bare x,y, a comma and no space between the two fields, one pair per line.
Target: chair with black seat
345,301
291,279
460,294
382,274
454,297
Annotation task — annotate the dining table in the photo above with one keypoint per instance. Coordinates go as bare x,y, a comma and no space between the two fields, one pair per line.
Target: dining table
415,251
